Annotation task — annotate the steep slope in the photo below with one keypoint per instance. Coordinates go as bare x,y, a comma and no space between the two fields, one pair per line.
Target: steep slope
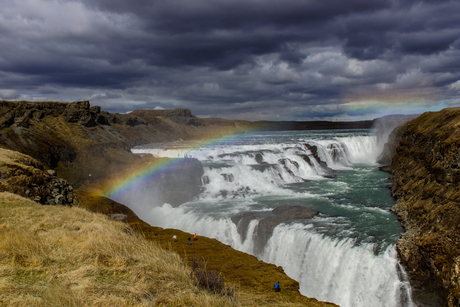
426,184
61,256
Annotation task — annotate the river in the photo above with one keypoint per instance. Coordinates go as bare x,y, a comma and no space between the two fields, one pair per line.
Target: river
345,254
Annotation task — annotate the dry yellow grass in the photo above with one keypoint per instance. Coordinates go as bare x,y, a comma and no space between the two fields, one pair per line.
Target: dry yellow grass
61,256
10,158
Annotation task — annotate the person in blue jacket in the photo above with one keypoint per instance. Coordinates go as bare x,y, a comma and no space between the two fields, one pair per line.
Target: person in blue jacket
277,287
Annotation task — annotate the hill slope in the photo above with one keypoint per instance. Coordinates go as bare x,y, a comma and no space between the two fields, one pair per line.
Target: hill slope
61,256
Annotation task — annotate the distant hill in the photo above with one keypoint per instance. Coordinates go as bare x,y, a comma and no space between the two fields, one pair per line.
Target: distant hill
311,125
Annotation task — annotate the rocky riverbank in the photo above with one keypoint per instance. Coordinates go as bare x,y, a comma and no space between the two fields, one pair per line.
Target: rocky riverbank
426,184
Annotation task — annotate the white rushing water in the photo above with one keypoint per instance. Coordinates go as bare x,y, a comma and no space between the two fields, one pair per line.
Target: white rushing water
345,255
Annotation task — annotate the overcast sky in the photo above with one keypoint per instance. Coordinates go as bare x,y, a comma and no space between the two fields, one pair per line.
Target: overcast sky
237,59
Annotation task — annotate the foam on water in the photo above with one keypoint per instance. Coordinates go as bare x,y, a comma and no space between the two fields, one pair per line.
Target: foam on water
349,274
335,270
345,255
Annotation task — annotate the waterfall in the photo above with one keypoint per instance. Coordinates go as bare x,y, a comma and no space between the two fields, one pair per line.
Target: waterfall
239,171
327,269
350,275
345,255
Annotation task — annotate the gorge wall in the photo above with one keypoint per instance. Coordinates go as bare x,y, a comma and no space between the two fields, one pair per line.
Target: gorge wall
78,140
81,142
426,185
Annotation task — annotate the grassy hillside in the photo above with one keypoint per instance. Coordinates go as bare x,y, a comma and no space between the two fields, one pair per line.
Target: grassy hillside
61,256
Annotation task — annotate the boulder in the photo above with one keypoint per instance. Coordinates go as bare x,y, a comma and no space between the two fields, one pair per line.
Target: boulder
279,215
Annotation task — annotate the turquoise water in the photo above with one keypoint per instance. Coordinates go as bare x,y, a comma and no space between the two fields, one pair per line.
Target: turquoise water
360,201
345,254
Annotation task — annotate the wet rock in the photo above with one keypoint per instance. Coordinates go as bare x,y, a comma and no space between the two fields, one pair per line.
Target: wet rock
259,158
279,215
336,152
328,172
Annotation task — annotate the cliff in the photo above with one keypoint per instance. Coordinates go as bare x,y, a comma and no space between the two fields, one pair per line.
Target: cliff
78,140
426,185
46,141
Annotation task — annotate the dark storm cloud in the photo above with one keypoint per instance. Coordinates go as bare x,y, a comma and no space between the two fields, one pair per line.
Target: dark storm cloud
225,34
184,15
429,42
420,28
247,59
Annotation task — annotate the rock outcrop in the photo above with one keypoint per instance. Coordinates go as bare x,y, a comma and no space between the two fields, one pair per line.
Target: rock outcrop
25,176
426,184
278,215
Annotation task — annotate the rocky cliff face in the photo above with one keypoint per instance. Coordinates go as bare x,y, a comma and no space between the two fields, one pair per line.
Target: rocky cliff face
81,143
426,184
79,140
25,176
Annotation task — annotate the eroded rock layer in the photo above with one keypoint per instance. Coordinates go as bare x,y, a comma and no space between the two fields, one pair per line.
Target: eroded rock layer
426,184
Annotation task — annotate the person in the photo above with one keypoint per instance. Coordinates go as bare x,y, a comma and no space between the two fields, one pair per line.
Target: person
189,241
277,287
194,237
175,238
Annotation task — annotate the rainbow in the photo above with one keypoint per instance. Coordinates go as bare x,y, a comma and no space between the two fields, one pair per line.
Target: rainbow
128,181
